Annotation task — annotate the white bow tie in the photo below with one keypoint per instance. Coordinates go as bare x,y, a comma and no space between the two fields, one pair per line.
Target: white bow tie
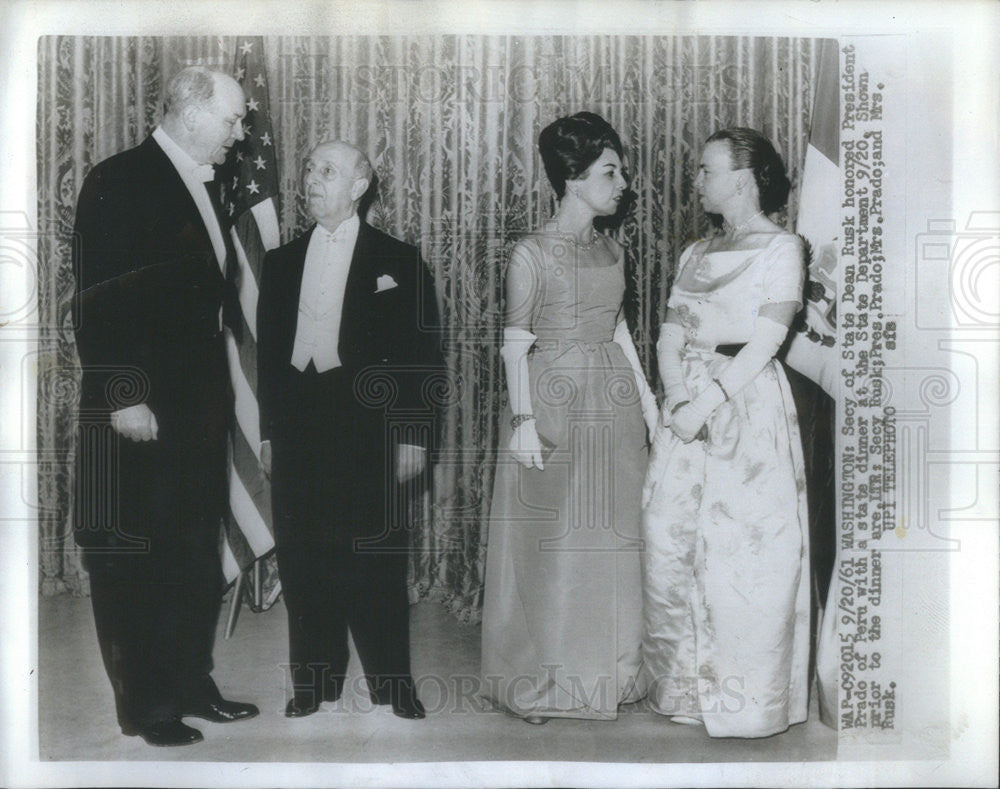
204,173
336,237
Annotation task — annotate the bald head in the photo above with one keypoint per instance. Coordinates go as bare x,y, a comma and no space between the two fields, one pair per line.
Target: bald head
349,154
204,112
336,177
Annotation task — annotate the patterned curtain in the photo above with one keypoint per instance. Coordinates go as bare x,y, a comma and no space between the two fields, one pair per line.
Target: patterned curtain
451,124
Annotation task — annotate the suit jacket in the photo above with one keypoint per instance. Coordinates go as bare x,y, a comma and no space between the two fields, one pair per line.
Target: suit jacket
149,291
389,335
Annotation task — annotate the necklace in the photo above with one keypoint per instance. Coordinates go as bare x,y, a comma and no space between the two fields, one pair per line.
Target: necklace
584,246
581,244
732,230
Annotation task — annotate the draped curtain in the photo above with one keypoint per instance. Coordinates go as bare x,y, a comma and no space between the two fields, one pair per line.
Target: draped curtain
450,124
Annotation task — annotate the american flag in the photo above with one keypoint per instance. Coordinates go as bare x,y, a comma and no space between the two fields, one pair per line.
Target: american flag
249,188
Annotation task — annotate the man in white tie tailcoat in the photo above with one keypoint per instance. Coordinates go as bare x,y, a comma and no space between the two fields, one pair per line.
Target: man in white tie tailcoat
152,256
348,352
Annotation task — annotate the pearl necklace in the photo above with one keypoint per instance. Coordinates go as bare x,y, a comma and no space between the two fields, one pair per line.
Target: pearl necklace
732,230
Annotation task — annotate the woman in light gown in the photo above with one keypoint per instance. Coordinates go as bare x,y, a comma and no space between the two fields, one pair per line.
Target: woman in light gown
725,571
563,600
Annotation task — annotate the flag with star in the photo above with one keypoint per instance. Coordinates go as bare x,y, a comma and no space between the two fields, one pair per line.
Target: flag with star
249,188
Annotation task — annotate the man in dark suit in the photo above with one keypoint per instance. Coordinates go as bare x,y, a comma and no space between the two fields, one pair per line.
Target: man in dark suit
155,409
347,355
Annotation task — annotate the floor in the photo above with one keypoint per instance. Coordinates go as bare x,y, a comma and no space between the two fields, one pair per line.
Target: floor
76,717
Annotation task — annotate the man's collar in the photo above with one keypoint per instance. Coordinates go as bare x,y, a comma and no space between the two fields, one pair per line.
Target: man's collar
182,162
343,231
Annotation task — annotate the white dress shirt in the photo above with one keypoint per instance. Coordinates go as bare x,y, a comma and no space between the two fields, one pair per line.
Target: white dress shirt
195,176
321,297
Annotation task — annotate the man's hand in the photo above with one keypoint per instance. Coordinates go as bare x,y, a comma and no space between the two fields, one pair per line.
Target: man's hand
135,422
410,462
265,459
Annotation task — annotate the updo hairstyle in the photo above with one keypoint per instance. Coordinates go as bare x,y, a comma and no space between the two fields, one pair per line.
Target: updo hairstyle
751,150
571,144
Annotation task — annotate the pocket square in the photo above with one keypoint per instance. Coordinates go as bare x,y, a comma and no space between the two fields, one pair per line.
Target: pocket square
385,282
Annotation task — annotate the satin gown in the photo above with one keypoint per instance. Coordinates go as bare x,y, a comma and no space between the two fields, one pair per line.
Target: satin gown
562,608
726,573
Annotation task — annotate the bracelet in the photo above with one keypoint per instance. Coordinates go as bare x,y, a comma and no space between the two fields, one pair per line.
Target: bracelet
520,419
724,392
677,407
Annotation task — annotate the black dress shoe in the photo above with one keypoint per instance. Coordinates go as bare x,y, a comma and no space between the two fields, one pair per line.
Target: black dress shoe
168,733
299,708
409,707
223,711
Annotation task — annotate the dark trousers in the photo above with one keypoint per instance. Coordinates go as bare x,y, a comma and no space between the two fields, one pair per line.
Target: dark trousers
156,614
341,533
152,551
148,515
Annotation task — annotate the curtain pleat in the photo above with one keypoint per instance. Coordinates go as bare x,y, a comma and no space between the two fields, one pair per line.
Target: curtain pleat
451,125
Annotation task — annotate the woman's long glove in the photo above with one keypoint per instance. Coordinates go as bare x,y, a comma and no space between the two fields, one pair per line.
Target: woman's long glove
669,349
768,335
524,443
646,397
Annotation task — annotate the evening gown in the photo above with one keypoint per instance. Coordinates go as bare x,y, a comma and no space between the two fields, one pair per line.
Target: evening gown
725,524
562,609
